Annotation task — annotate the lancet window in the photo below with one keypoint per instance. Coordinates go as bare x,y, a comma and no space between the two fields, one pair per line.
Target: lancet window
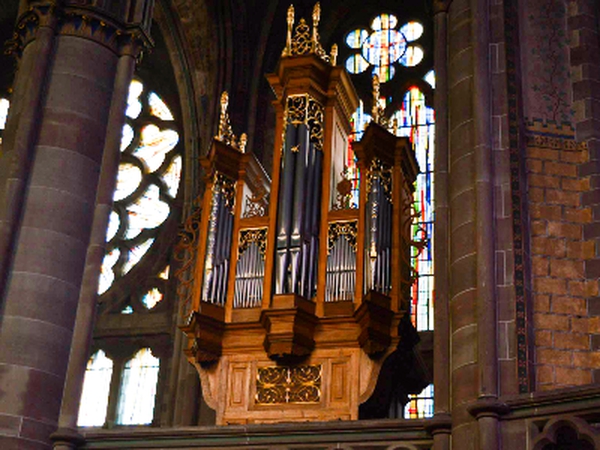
134,393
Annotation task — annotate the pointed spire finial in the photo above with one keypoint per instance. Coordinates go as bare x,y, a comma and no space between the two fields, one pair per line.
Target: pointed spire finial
287,51
334,54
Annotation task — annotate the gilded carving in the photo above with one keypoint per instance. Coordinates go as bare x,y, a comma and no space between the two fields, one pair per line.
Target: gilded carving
344,192
256,236
226,187
384,173
303,109
284,385
304,40
349,230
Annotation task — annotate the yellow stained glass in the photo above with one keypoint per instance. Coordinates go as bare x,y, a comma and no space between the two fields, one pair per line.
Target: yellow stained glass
154,145
128,180
165,273
158,107
385,73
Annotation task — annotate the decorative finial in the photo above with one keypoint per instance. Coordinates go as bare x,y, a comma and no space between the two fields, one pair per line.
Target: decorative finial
243,142
301,40
224,102
375,109
334,54
395,126
225,132
378,110
287,51
315,32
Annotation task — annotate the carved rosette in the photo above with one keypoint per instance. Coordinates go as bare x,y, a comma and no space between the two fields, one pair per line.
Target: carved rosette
277,385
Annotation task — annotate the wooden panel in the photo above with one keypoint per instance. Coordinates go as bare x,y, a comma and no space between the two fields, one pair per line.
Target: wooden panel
238,385
339,382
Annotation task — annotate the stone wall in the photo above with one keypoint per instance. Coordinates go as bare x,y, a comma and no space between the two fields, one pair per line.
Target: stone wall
565,327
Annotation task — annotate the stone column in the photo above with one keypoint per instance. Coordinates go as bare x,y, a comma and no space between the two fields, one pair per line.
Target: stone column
463,226
441,424
58,155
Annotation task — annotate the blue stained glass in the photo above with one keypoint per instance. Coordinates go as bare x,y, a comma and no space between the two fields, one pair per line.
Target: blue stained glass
356,64
412,31
412,56
355,38
384,47
420,406
416,121
385,73
384,22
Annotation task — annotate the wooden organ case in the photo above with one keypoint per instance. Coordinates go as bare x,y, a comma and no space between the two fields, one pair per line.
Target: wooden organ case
299,285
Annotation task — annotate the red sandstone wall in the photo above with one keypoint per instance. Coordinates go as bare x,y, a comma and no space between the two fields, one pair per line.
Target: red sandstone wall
566,331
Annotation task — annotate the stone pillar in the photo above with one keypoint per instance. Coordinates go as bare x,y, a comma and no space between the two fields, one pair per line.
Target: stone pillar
463,223
441,339
57,135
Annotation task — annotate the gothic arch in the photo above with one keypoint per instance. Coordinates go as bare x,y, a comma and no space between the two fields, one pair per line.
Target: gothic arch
564,433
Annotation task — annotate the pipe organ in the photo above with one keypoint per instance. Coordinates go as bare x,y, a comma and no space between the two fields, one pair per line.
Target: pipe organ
299,282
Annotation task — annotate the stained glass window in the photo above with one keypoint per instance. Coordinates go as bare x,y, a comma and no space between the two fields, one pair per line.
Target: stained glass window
383,46
430,78
138,389
417,122
420,406
147,182
96,389
151,298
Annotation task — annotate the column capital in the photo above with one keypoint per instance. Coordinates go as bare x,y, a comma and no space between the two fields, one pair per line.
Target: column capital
126,32
441,6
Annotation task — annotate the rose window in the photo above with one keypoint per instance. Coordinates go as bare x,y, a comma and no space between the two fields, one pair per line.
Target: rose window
384,46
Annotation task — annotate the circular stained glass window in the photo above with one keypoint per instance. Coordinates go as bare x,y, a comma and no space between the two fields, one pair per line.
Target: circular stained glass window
147,182
383,46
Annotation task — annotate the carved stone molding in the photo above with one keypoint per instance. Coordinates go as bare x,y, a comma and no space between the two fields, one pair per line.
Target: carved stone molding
488,407
86,22
568,430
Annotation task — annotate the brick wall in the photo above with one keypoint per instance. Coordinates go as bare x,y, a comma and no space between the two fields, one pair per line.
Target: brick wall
567,333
